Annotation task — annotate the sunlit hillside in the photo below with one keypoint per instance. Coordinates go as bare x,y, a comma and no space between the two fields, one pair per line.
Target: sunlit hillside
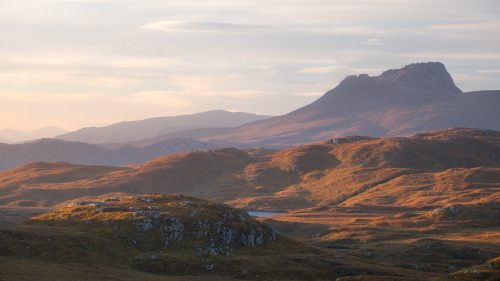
387,199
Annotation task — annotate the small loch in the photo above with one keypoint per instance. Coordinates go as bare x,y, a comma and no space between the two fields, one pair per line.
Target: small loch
264,214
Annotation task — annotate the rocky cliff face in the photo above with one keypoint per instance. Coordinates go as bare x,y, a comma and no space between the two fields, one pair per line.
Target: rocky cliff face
430,76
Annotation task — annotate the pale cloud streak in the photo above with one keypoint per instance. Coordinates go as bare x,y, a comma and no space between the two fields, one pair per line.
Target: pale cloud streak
166,99
44,98
465,77
205,26
453,55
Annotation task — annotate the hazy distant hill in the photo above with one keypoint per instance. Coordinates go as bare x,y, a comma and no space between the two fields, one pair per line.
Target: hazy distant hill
12,136
416,98
153,127
46,150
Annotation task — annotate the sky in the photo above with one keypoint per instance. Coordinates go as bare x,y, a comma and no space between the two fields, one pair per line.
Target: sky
80,63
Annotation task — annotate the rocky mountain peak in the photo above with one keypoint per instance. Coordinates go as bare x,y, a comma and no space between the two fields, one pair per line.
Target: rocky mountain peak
431,76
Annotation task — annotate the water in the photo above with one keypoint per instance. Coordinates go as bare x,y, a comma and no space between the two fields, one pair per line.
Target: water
265,214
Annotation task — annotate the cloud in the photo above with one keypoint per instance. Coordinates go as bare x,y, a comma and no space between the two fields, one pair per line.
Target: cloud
311,94
168,99
489,71
452,55
321,69
194,26
373,42
33,77
44,98
465,77
482,26
84,1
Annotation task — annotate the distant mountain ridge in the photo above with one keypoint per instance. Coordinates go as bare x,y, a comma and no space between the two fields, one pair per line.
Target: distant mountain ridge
48,150
13,136
153,127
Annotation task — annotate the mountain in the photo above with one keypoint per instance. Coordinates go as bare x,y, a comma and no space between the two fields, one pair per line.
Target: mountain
153,127
47,150
13,136
419,97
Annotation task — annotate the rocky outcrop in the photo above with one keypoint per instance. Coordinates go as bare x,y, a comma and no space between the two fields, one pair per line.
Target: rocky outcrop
431,76
163,222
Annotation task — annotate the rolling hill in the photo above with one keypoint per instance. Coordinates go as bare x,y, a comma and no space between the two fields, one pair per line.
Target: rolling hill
342,171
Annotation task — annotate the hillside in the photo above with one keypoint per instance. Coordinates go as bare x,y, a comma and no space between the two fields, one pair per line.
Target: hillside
365,196
153,127
171,235
342,171
419,97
